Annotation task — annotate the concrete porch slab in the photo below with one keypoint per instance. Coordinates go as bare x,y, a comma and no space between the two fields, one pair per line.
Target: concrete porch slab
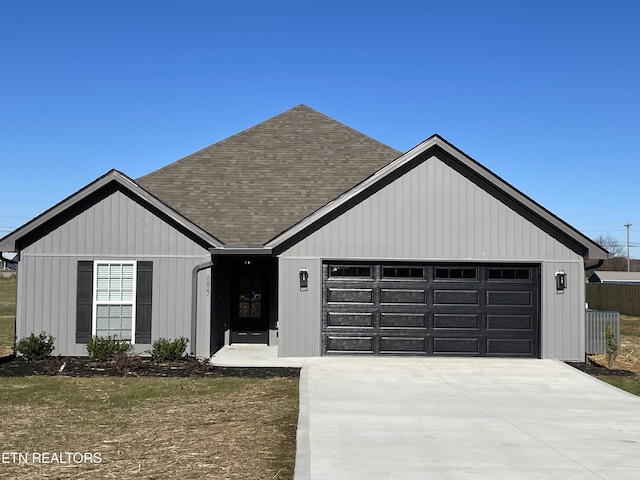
254,355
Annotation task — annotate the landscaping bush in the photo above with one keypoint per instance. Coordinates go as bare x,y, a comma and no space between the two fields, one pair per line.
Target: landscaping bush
611,346
168,350
104,349
36,348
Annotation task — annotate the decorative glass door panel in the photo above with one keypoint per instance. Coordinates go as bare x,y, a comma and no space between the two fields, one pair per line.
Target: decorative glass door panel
249,311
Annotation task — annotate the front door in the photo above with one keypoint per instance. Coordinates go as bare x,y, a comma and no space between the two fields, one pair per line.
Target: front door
249,297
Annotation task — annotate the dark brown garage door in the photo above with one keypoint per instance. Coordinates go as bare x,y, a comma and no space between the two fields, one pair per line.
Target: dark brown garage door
431,309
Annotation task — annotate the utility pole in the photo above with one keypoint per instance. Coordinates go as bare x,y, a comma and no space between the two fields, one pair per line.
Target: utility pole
628,257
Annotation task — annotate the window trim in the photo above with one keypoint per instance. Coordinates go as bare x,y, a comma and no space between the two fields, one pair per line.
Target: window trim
132,302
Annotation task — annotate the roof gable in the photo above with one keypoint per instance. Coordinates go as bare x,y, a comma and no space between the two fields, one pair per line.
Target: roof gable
252,186
437,146
48,220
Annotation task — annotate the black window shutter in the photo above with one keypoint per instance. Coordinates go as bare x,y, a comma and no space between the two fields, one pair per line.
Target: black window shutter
84,301
144,287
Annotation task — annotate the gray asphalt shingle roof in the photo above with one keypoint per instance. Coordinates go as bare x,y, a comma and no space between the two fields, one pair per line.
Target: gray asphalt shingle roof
253,185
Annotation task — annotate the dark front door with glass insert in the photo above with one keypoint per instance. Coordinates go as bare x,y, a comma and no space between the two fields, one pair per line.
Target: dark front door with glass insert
249,297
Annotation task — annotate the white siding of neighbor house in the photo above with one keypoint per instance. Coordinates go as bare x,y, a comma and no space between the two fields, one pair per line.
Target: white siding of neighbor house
116,228
432,213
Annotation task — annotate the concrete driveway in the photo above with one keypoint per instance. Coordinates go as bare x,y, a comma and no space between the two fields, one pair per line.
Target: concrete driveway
452,418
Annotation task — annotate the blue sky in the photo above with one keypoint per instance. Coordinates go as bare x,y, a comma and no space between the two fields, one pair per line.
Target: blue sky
546,94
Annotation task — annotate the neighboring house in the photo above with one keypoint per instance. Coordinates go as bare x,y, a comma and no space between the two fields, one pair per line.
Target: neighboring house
305,233
8,261
632,278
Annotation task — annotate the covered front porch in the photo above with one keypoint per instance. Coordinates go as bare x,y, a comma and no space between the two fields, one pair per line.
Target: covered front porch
244,307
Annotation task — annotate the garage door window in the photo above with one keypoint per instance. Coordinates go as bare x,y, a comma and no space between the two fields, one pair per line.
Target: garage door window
402,273
509,274
456,273
358,271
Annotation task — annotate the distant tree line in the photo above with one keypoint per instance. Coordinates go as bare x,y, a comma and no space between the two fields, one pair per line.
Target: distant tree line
617,261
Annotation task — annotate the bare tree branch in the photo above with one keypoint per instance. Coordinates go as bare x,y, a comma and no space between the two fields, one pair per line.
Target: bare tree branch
611,244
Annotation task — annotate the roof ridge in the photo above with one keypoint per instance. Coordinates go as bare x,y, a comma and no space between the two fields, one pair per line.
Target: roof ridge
257,125
273,173
151,174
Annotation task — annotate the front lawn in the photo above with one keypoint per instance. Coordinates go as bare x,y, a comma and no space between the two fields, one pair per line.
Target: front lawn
630,384
628,358
7,314
187,428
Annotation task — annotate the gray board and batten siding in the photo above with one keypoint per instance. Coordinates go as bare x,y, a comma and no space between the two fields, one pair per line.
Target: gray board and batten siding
430,206
114,226
432,212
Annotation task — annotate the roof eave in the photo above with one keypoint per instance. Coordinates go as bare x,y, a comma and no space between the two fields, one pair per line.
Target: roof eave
241,251
9,242
591,249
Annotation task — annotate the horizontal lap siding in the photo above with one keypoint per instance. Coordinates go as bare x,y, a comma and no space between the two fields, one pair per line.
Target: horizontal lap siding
117,228
433,213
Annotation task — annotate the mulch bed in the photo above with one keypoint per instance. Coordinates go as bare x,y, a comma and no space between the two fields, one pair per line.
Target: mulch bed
595,369
13,366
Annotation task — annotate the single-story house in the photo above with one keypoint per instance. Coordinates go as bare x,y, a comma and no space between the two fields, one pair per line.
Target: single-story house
303,233
601,276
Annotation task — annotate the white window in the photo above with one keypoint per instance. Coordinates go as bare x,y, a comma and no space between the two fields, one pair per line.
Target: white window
114,297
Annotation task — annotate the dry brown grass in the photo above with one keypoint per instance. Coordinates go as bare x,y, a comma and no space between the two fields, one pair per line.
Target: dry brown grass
247,433
629,355
7,314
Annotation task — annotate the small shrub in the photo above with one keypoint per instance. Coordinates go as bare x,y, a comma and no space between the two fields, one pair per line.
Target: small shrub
36,348
104,349
164,350
124,364
611,346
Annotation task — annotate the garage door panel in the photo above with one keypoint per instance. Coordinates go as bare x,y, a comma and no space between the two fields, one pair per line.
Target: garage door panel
403,296
349,344
456,297
403,345
358,320
509,298
350,295
457,346
443,321
510,322
511,347
427,309
406,320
